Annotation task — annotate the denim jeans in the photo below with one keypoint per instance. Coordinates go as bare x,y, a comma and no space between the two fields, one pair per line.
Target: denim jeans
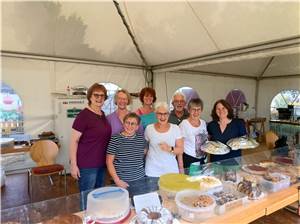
90,179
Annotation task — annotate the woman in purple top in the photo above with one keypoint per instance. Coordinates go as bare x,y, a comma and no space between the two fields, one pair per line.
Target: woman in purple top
89,140
122,100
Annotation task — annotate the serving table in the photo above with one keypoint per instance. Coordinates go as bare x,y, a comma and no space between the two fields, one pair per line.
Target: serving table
251,211
15,149
254,209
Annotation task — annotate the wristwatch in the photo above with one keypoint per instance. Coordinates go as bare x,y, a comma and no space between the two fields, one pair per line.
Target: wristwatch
172,149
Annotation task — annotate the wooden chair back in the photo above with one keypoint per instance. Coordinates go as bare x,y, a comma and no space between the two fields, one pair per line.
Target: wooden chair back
44,152
271,137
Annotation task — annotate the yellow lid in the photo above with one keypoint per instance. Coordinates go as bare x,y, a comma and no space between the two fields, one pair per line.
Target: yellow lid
176,182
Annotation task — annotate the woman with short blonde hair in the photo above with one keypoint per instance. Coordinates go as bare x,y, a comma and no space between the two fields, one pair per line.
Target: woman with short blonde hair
165,142
122,99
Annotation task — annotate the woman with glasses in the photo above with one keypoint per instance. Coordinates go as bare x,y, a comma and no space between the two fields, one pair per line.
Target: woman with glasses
146,112
122,99
194,134
125,153
165,142
89,140
224,127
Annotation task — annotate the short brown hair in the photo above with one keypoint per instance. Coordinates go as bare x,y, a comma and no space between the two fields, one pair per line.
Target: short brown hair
214,115
195,102
147,90
132,115
125,92
93,88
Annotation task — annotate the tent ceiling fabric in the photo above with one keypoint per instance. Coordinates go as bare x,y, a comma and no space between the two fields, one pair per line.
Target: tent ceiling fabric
281,65
252,67
85,30
284,65
166,32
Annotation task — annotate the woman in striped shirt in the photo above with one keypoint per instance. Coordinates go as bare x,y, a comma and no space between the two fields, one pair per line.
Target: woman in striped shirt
125,153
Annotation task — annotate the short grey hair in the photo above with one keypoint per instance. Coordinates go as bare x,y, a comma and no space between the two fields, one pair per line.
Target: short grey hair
161,104
178,93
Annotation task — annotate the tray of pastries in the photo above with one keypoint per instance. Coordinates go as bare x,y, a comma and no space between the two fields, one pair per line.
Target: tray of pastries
275,181
228,199
215,148
243,142
250,187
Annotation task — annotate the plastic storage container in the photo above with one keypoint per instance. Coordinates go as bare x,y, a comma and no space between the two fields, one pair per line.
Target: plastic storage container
170,184
191,213
107,205
275,185
228,198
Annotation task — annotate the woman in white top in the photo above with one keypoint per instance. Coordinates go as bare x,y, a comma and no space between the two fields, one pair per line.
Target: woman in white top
165,142
194,133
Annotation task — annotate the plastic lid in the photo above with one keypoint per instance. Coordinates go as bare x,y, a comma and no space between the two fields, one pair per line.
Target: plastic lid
107,193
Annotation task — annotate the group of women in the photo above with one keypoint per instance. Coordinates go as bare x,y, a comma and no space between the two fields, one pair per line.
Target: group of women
133,145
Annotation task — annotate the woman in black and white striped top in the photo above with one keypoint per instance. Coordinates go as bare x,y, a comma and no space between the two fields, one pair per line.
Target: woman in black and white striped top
125,153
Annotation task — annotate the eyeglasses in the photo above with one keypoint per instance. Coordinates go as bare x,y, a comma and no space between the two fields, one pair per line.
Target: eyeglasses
196,109
179,101
96,95
130,123
162,114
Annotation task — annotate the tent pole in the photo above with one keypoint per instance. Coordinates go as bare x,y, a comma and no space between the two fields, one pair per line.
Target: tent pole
138,49
256,95
148,74
258,82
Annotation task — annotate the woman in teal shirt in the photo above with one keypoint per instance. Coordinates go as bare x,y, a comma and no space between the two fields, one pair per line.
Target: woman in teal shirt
146,112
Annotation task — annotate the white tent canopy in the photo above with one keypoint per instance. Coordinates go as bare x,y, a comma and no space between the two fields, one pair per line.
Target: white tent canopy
211,46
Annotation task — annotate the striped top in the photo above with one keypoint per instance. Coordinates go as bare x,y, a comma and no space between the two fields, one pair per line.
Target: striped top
129,156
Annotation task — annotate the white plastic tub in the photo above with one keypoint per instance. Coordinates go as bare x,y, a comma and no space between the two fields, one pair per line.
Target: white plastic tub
190,213
276,186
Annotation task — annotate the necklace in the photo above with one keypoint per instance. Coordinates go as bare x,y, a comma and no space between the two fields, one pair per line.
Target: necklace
98,112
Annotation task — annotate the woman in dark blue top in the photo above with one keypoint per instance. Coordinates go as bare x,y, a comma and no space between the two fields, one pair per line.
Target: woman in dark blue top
224,127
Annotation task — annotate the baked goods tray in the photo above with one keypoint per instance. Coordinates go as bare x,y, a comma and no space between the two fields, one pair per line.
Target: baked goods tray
228,198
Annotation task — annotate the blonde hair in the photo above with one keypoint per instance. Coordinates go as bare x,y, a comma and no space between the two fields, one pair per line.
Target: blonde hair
126,93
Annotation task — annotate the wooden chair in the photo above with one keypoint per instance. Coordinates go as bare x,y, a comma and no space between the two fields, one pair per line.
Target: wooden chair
257,124
44,152
271,137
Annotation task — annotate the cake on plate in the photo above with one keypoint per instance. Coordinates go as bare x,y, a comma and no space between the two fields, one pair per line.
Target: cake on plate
155,215
170,184
206,182
107,205
254,169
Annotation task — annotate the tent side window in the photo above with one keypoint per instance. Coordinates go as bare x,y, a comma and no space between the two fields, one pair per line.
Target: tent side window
11,111
109,104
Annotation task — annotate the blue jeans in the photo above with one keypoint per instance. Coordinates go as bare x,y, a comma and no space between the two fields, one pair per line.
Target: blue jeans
90,179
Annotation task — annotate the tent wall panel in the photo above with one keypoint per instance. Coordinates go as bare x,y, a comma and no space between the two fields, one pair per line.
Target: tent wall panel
268,88
35,80
209,88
